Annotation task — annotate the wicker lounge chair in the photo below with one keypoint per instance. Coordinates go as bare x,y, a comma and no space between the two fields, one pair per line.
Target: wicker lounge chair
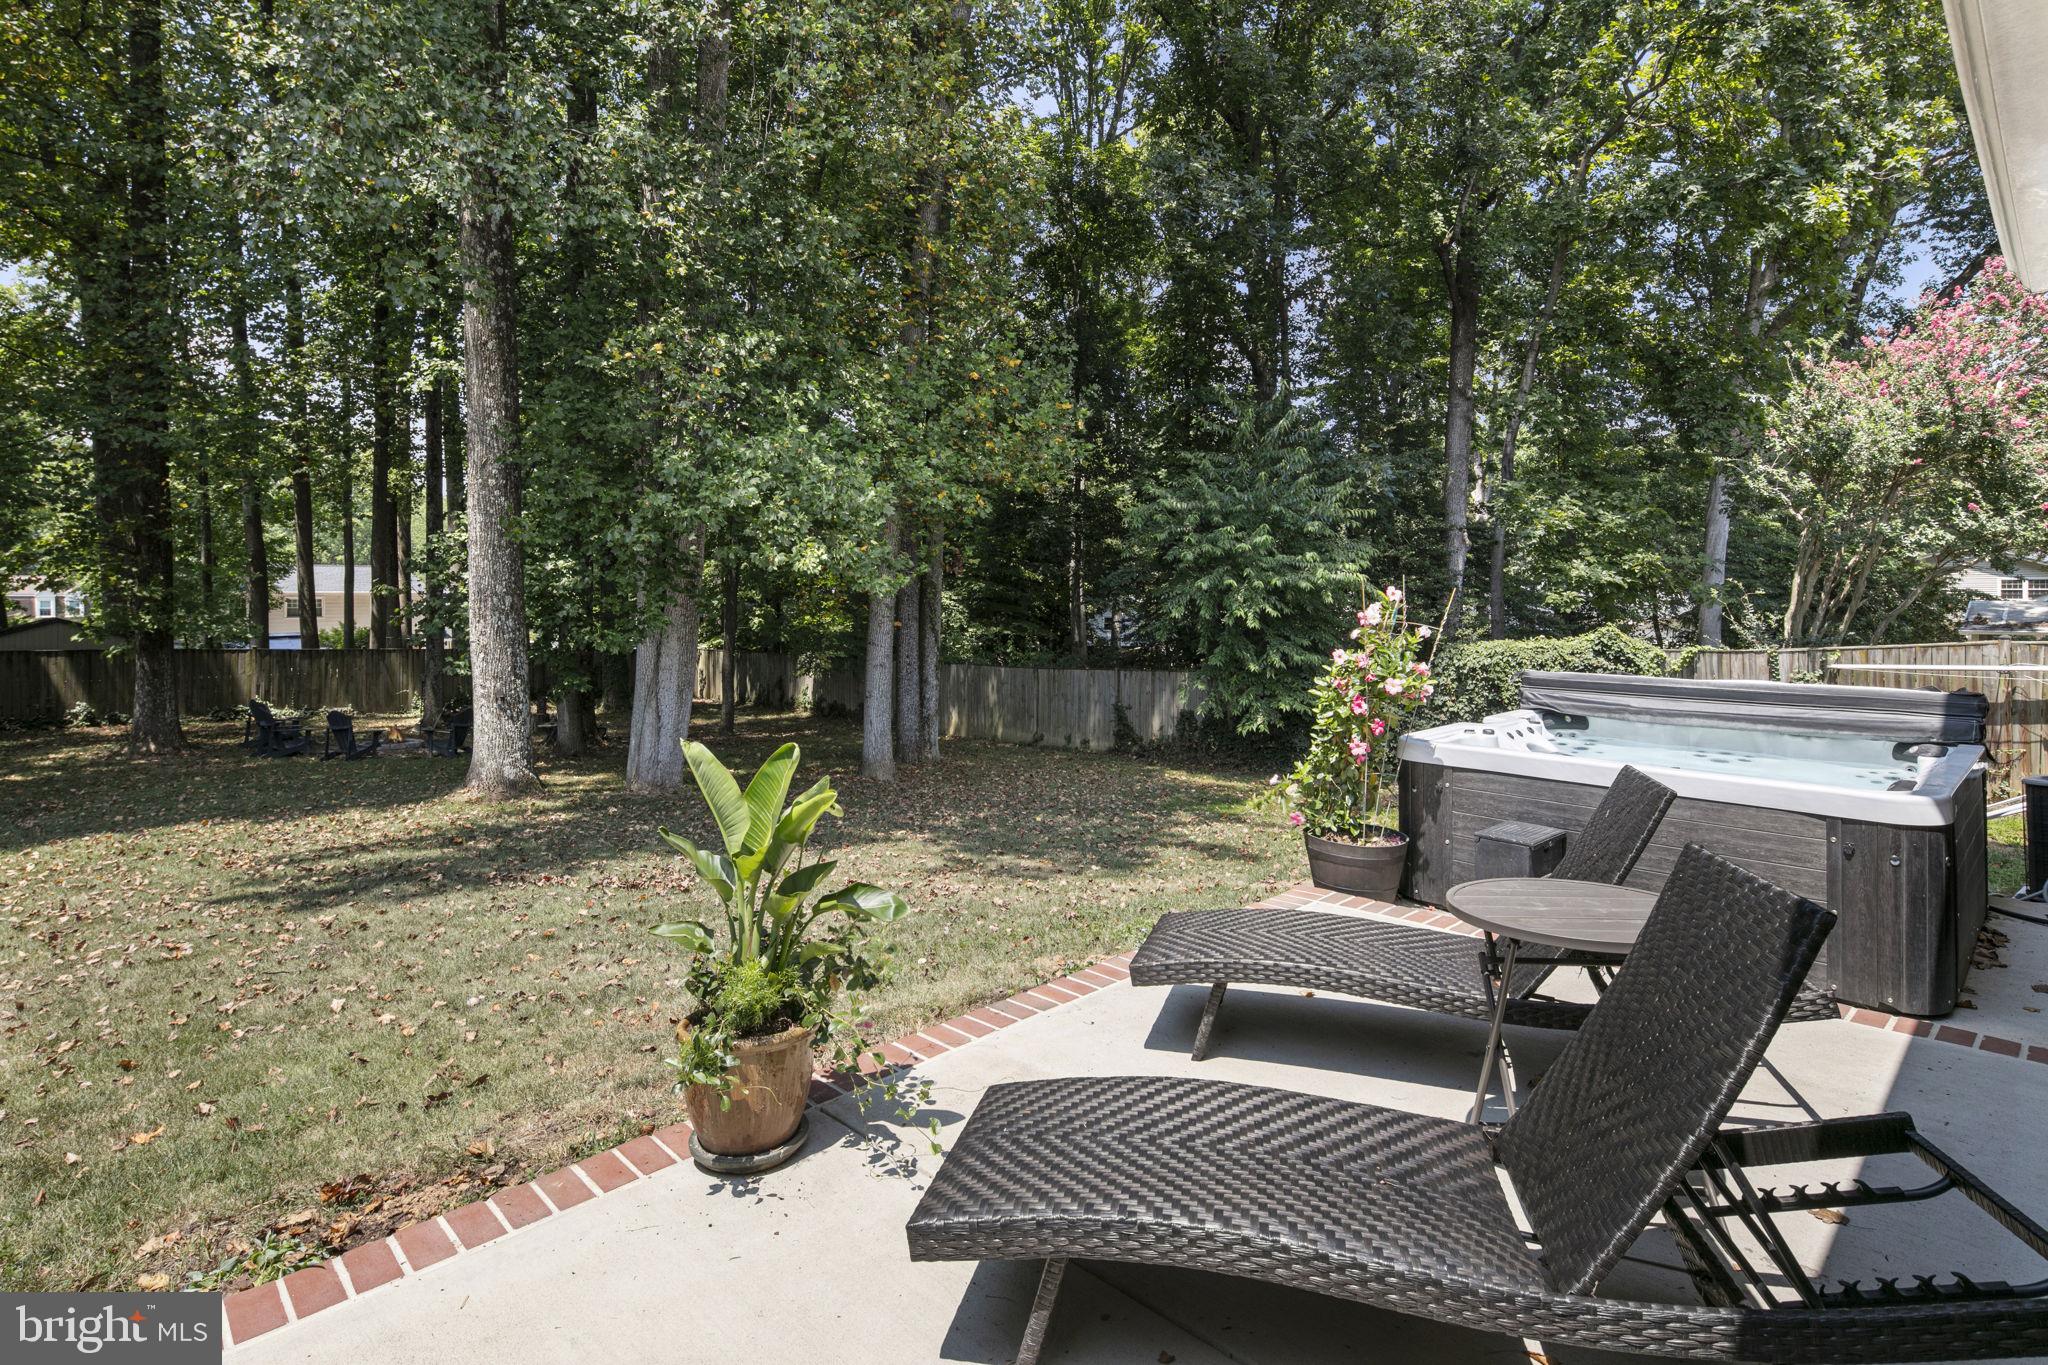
1408,1212
342,741
1421,968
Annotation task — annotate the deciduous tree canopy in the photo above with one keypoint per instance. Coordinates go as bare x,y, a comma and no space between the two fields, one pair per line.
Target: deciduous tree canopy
1031,331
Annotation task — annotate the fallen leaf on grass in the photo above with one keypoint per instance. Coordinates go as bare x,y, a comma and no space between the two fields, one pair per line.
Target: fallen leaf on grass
348,1190
156,1244
144,1139
153,1284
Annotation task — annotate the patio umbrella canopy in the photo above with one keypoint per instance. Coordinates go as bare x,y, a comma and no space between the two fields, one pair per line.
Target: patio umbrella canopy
2002,58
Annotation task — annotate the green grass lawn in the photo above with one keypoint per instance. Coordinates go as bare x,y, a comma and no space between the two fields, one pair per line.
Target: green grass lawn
2007,845
289,1005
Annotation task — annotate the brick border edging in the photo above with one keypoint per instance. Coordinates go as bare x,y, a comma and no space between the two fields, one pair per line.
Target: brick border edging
252,1313
1308,896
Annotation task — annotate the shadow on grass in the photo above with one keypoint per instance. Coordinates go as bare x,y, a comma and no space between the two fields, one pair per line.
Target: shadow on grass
390,828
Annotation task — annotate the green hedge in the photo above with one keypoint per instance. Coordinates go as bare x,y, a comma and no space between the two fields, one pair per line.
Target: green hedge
1477,678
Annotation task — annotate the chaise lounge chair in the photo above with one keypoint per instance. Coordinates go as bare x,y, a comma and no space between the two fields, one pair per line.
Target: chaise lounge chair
342,742
1408,1213
1425,969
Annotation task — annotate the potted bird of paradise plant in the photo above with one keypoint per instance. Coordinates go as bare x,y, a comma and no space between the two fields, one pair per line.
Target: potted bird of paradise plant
765,990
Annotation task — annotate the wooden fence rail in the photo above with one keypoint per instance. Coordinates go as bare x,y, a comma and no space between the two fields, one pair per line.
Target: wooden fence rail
2012,674
40,686
1068,708
1065,707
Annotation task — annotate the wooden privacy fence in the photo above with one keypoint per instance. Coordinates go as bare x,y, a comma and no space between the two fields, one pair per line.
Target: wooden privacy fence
1073,708
1070,708
2012,674
768,681
42,686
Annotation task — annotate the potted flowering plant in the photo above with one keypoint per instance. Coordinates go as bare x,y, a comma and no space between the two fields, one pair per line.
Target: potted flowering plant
1342,794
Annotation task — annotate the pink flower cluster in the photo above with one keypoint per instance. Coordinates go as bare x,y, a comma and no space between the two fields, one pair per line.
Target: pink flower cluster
1342,788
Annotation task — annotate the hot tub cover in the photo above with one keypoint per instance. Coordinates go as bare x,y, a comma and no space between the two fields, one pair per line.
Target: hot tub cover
1893,713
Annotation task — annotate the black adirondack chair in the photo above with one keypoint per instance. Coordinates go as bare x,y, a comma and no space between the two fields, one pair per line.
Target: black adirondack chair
274,736
342,741
451,736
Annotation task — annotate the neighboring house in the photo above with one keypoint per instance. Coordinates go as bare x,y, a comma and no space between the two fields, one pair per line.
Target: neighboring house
328,594
2023,580
52,632
2009,601
40,600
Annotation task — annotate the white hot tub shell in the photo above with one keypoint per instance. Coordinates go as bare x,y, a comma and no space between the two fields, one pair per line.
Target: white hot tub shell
1868,800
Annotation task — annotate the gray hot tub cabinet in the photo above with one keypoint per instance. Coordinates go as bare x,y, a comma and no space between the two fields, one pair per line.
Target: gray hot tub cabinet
1909,898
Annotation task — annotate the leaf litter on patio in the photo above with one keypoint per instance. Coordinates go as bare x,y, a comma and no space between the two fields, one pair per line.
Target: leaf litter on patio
236,991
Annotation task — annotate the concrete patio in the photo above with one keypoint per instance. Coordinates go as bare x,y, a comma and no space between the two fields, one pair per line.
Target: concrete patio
808,1263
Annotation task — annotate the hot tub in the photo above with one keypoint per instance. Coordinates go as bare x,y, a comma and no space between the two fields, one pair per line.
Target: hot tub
1869,800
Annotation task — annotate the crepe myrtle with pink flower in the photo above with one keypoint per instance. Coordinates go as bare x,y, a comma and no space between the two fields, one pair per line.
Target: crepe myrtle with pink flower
1343,787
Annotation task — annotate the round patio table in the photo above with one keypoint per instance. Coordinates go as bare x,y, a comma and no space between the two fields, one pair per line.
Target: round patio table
1551,912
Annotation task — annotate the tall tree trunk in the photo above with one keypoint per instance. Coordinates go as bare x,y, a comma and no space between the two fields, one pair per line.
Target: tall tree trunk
431,664
878,689
929,603
204,476
665,665
256,588
728,631
1716,573
249,448
383,430
909,668
1532,349
664,684
127,315
348,512
401,625
1763,277
302,459
454,435
890,699
1077,579
1462,274
501,756
298,433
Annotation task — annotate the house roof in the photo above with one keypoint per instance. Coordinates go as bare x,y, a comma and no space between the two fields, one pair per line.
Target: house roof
327,581
2017,567
1985,617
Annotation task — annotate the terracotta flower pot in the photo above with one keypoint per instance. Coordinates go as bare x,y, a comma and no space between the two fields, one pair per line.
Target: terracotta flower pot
1369,870
771,1083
